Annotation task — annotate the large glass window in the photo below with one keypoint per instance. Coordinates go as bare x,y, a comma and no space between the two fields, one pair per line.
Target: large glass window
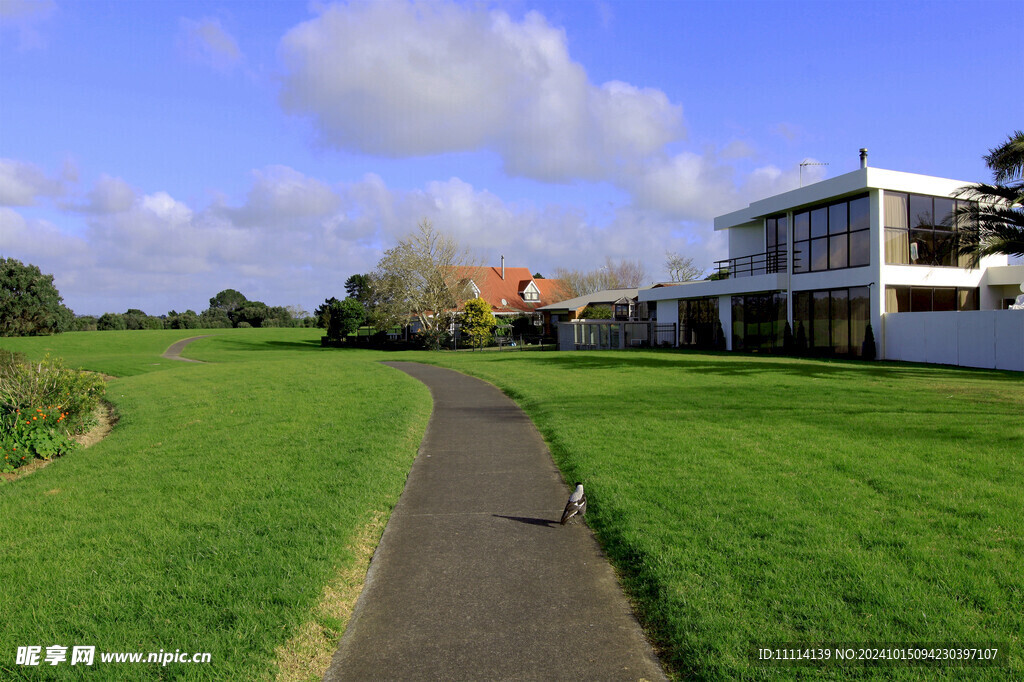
698,323
833,236
907,299
758,321
775,241
921,230
832,321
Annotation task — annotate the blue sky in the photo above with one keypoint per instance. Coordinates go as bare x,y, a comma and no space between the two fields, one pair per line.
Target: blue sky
155,153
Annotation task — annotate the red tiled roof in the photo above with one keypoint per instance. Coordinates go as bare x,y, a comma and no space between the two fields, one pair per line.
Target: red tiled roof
494,289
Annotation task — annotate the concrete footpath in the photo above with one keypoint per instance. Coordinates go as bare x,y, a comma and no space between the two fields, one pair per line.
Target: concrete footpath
474,578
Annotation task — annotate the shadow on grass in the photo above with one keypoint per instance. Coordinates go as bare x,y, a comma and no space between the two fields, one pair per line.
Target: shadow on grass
244,345
740,364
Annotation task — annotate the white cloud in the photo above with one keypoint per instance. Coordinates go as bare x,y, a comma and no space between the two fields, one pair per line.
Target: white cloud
284,198
22,183
206,42
23,16
293,238
409,79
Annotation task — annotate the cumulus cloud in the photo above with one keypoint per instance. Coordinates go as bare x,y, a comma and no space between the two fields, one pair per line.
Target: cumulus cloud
400,79
292,238
281,197
206,42
21,183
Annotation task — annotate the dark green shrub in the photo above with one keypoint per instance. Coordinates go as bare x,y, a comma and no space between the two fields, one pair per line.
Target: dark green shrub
788,342
868,350
111,321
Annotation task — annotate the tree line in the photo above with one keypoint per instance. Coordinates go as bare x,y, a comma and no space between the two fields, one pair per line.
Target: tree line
31,305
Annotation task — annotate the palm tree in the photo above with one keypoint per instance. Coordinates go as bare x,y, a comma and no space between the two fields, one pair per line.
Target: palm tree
993,223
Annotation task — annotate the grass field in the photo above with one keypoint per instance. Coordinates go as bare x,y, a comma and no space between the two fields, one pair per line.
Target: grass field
213,517
755,499
743,499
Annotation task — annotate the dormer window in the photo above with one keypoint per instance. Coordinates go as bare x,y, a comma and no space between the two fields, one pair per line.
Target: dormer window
530,292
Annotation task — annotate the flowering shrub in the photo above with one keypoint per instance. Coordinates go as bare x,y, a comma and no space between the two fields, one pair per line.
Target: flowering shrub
41,406
39,432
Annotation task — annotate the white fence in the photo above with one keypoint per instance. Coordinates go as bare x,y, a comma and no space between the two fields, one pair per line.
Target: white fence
993,339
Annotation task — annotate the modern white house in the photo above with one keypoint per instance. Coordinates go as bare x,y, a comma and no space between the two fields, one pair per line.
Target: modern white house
871,246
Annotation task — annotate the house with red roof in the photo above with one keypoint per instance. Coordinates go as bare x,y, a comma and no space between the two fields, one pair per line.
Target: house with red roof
513,291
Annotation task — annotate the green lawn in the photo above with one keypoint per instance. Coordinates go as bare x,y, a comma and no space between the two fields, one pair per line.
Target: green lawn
213,516
744,499
754,499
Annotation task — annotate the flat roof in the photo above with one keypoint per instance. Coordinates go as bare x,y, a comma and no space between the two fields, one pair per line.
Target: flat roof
851,183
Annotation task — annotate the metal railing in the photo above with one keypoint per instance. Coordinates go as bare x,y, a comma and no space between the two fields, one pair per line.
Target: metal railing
754,264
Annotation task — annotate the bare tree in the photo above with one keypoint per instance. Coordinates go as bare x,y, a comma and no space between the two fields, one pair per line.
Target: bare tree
623,274
424,278
681,268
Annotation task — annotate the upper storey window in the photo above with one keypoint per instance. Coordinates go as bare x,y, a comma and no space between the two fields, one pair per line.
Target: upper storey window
832,236
776,240
921,230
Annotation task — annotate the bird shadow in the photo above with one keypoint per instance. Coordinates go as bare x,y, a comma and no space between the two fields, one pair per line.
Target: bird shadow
530,521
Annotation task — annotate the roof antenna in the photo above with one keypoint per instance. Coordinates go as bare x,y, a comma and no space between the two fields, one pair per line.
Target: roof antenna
807,163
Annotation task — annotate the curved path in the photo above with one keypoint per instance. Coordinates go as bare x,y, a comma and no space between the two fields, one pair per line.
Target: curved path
474,578
174,352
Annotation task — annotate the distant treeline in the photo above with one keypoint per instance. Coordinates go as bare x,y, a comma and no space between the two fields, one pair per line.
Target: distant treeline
227,309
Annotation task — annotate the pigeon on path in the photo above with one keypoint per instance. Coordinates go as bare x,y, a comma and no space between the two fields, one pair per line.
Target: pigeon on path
577,504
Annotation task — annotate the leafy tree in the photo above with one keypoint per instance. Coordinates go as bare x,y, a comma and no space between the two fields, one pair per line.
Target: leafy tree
537,275
344,318
84,323
681,268
111,321
994,224
214,318
478,322
253,313
278,316
228,300
358,287
421,279
30,304
322,310
185,320
596,312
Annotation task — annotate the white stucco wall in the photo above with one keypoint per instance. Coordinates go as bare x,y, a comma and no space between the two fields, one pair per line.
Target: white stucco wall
746,240
992,339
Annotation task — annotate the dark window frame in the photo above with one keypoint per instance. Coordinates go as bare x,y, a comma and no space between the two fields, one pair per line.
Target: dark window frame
931,233
804,263
808,322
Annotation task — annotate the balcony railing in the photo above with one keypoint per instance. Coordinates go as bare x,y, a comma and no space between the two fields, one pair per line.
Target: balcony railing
752,265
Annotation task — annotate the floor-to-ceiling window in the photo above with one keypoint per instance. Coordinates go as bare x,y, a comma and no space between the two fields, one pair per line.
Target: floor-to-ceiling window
832,236
922,230
698,323
831,321
759,321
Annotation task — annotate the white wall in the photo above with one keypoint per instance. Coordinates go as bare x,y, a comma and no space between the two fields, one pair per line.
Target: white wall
993,339
747,240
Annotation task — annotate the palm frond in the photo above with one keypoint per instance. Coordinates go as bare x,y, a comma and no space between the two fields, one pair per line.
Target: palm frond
1007,160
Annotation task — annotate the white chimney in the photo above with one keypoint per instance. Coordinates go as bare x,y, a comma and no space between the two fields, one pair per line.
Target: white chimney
863,158
503,267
